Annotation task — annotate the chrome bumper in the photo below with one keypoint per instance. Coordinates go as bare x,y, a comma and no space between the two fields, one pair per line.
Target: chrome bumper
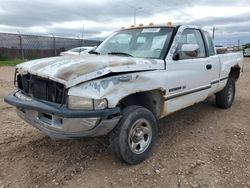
57,124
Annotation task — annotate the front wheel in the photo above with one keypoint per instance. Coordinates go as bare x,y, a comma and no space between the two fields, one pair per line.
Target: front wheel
134,136
225,98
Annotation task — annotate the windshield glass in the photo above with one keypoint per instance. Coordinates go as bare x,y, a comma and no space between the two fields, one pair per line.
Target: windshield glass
139,42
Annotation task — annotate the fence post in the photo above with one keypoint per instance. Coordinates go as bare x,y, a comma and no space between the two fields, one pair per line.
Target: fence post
80,41
54,44
21,45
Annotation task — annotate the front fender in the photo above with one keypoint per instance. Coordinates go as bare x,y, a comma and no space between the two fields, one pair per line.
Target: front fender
116,88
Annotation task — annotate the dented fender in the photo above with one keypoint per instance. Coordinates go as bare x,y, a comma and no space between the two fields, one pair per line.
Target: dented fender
118,87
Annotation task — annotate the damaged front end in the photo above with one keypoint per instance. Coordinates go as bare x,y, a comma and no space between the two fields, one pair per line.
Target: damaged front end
62,96
40,88
44,104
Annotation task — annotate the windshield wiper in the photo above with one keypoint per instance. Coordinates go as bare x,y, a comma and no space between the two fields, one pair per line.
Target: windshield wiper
150,57
120,53
94,52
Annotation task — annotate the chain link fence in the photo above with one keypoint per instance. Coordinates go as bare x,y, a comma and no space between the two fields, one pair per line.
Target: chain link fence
13,46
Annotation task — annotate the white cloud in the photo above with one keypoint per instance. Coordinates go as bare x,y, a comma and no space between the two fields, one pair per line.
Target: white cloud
101,17
200,12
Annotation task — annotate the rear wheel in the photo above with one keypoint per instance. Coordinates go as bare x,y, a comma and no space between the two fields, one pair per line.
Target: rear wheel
134,136
225,98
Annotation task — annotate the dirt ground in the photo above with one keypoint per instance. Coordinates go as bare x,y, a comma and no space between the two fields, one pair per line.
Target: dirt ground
200,146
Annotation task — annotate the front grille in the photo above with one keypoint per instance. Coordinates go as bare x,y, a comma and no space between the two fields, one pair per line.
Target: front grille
41,88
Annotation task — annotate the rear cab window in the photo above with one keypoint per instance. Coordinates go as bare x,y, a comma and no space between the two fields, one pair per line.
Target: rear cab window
210,43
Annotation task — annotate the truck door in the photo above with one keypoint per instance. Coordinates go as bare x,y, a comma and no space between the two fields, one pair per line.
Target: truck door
188,81
213,63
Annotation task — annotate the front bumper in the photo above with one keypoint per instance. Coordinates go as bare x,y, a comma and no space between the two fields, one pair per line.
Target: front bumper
59,122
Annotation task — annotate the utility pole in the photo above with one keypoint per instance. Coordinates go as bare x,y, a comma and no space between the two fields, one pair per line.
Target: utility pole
135,10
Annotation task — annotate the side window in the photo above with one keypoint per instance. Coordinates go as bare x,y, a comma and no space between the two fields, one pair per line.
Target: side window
191,36
210,44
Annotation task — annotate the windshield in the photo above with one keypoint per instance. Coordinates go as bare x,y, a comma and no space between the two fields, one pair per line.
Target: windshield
139,42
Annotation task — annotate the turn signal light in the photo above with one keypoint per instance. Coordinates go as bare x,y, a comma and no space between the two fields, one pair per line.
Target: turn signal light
169,23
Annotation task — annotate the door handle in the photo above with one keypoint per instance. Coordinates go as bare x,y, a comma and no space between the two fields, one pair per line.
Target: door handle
209,66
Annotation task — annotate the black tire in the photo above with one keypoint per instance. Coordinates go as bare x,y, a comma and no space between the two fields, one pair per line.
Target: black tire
225,98
127,130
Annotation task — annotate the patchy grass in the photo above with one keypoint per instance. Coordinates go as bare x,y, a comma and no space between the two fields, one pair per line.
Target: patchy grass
13,62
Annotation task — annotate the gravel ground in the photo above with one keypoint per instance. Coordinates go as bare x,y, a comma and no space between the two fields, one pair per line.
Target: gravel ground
200,146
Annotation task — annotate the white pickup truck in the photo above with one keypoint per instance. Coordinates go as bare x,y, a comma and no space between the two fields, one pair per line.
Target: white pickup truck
134,78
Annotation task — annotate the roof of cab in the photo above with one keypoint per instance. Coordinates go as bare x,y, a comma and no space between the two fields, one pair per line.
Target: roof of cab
150,25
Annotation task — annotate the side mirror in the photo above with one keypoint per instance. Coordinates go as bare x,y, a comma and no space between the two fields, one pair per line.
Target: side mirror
176,56
190,50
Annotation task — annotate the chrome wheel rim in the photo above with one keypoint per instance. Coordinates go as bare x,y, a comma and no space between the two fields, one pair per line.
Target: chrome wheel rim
140,136
230,94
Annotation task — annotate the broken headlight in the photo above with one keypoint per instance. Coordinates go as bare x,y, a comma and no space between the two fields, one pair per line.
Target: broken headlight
82,103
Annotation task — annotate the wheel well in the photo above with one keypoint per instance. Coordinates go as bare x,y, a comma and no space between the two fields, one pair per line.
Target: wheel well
152,100
235,72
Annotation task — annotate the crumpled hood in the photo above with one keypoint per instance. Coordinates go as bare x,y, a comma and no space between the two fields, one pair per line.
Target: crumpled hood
73,70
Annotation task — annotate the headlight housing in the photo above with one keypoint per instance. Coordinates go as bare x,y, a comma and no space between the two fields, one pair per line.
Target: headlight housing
82,103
